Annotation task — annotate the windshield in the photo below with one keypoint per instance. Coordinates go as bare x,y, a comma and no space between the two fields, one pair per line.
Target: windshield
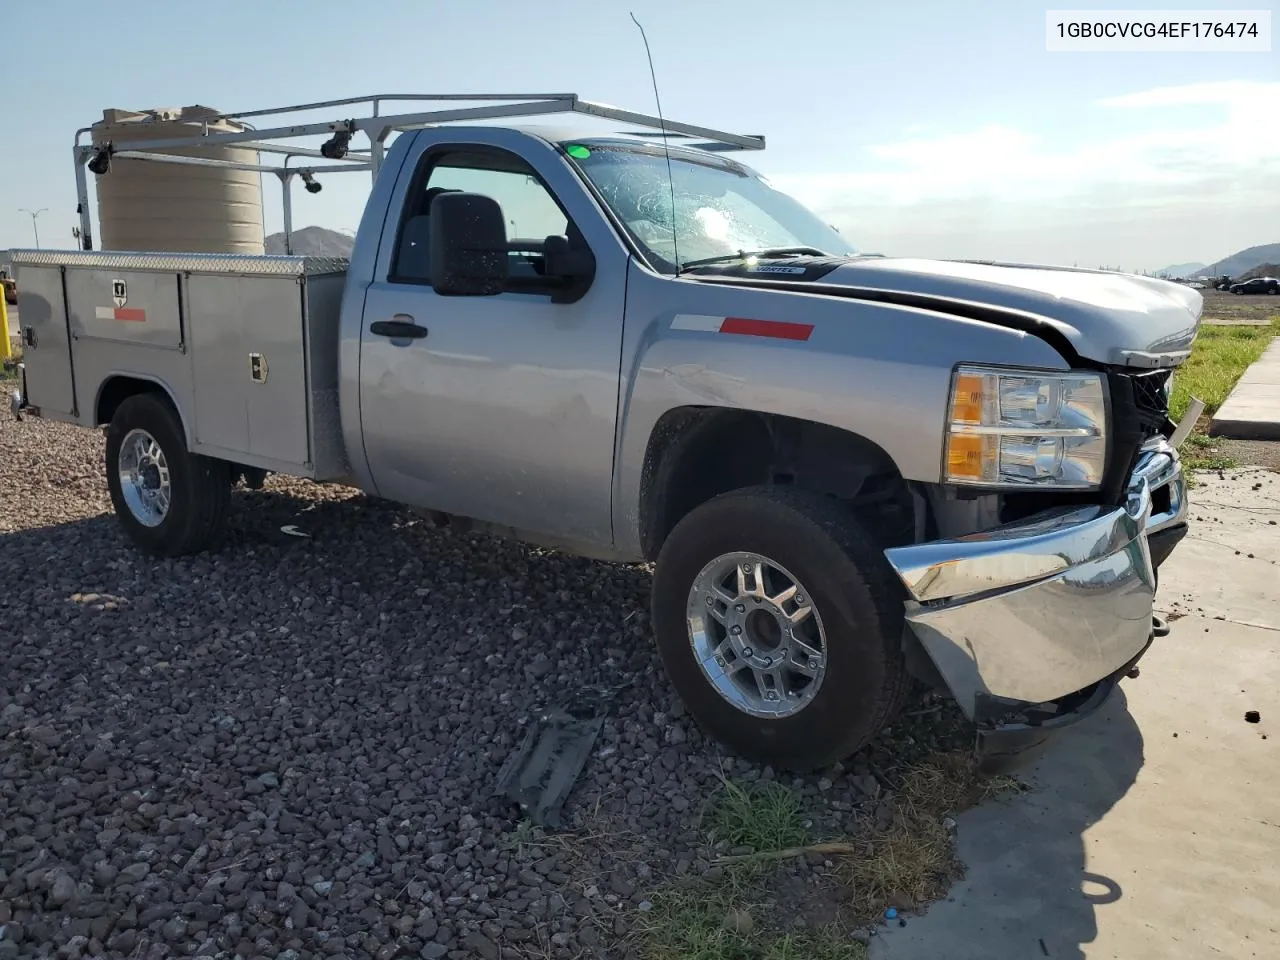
721,208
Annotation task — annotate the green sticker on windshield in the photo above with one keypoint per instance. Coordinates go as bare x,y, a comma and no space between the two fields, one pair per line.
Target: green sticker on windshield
578,152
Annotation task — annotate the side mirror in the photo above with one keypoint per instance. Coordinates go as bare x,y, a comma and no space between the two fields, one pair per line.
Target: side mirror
468,245
567,263
570,269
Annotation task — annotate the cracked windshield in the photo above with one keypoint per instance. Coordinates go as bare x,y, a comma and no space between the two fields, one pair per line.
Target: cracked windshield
721,210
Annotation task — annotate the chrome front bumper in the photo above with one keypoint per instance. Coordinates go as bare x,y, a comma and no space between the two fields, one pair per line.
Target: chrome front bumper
1037,610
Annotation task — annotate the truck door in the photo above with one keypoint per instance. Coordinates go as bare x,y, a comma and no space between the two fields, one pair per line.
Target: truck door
42,328
501,408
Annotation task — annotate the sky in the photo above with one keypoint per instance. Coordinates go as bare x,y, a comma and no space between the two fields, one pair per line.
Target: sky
937,129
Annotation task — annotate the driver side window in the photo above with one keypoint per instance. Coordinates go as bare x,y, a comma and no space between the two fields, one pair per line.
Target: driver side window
530,211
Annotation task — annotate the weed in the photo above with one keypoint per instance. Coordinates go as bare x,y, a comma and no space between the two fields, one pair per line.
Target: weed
907,863
912,861
761,816
713,924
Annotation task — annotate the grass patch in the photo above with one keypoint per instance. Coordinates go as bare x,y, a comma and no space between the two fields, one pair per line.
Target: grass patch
1218,359
905,863
912,861
9,367
760,816
716,927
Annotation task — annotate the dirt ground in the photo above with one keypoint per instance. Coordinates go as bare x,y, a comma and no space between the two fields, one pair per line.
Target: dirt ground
1230,309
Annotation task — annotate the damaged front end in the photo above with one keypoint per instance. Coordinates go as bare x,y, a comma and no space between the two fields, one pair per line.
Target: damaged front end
1032,624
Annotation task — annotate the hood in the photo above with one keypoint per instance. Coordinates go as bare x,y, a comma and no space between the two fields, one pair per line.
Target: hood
1110,318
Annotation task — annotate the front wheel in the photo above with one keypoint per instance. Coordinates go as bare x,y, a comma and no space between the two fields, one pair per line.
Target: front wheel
779,623
169,501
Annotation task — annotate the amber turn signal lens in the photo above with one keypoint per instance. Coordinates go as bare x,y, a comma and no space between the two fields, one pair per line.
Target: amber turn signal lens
966,400
966,455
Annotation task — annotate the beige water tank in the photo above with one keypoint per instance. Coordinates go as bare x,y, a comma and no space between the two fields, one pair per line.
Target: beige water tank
180,208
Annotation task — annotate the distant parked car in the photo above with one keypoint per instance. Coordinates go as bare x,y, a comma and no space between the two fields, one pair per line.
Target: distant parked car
1257,285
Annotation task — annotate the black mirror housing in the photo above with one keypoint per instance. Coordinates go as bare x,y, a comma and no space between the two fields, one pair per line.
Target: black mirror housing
468,245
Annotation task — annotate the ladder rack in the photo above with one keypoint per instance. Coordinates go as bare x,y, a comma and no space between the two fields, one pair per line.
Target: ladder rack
376,127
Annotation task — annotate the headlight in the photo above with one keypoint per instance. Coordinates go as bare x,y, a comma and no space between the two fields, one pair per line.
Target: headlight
1020,428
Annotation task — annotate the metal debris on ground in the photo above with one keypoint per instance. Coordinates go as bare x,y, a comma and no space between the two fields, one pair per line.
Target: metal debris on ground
293,531
540,774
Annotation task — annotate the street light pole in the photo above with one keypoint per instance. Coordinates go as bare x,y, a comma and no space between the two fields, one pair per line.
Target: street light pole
34,227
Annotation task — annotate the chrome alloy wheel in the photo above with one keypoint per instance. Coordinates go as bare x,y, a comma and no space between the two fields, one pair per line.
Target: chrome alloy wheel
756,635
144,478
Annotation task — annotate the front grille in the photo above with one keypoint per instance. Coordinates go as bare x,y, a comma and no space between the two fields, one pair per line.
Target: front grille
1139,411
1149,395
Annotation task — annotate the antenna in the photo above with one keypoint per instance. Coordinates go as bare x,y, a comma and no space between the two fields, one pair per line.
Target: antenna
666,147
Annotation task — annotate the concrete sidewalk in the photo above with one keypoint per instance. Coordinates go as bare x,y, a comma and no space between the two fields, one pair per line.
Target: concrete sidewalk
1252,410
1152,830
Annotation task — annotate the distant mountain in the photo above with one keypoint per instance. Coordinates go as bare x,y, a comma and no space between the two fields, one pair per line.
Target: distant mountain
1180,270
314,242
1243,261
1265,270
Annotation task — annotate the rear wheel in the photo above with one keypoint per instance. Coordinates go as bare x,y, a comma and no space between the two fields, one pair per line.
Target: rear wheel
169,501
779,622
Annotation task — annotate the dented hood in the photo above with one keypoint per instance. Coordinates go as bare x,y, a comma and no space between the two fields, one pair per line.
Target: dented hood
1110,318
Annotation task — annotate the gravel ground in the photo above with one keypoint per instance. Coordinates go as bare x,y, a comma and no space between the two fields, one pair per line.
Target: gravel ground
289,748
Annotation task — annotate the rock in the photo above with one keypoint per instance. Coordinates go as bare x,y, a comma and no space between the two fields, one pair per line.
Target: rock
156,913
434,951
739,922
620,885
867,785
481,946
63,890
538,668
134,873
124,941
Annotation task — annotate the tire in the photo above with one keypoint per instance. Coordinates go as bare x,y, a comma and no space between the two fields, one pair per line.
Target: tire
199,488
857,604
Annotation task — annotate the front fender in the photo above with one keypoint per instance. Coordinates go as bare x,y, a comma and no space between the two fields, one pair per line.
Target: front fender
877,370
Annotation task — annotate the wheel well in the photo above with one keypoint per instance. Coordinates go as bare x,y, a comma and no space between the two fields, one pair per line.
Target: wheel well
119,389
696,453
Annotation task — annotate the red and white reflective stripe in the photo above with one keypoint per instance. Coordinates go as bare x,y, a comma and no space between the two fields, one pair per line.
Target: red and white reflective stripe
121,313
742,326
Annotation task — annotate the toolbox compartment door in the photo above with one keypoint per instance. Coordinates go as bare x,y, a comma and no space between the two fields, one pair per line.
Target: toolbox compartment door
46,341
250,374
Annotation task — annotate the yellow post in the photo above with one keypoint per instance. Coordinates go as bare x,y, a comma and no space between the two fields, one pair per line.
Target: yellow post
6,350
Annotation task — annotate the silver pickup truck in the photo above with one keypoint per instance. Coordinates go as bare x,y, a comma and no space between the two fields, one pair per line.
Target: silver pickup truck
851,472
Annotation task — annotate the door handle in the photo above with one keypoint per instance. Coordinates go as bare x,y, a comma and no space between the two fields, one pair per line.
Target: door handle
400,328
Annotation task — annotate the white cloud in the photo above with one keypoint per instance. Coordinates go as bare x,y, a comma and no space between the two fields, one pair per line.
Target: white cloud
1173,167
1242,94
